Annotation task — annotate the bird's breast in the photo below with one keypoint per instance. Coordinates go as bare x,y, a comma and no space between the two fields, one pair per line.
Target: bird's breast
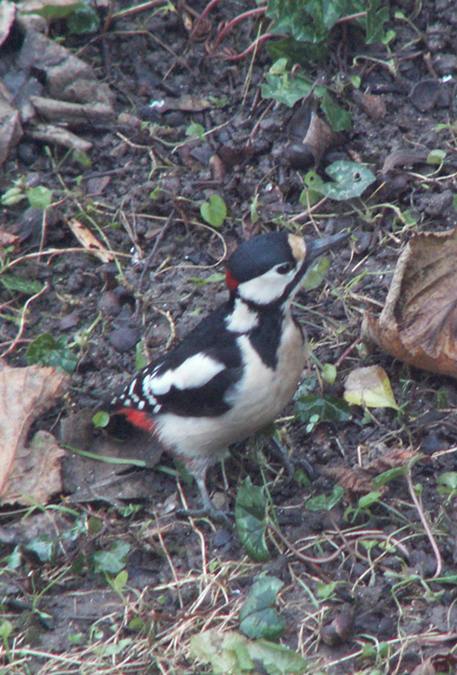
256,399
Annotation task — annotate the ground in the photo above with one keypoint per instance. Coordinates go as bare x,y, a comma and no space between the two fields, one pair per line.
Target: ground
363,584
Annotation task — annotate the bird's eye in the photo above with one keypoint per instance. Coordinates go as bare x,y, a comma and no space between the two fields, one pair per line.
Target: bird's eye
284,268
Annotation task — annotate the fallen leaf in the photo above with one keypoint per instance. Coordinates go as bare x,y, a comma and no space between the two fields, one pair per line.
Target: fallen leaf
354,479
36,472
25,394
418,324
369,387
390,460
89,241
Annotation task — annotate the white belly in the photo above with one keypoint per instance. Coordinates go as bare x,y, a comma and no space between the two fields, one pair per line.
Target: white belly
257,399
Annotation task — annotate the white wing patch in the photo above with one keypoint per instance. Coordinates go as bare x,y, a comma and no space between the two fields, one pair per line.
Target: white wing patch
195,372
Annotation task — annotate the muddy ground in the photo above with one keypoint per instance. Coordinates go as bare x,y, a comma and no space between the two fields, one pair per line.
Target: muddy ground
141,196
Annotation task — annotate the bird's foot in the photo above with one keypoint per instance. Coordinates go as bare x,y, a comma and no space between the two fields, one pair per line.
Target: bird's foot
292,464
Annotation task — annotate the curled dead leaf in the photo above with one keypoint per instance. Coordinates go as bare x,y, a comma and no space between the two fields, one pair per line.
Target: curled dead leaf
25,394
354,479
90,242
418,324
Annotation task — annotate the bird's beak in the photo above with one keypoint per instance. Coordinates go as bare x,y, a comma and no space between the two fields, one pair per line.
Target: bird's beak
316,247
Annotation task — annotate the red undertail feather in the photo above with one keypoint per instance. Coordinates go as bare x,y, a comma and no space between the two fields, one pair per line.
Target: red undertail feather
230,280
138,418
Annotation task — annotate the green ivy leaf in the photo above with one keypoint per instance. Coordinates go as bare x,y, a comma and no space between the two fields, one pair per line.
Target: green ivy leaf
350,180
214,211
283,87
112,561
258,616
231,652
47,351
326,408
376,16
338,118
250,519
42,547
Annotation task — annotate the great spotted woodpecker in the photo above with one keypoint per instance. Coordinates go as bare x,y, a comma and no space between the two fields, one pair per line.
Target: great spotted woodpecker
237,369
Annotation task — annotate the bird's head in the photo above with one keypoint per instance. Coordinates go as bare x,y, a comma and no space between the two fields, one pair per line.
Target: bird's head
268,268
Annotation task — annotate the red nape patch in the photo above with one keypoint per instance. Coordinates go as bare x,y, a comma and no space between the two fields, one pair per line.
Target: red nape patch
138,418
230,281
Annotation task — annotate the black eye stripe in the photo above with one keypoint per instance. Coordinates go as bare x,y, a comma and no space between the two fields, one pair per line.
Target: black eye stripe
284,268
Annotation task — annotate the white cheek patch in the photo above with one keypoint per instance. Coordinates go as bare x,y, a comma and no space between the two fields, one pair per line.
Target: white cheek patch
266,288
196,371
242,319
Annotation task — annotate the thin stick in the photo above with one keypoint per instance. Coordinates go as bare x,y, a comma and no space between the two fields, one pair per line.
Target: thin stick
426,526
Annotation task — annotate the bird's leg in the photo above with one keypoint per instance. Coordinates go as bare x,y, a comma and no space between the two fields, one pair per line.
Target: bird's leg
291,464
208,509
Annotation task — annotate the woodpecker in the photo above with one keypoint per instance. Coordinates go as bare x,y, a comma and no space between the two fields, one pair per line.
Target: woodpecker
237,369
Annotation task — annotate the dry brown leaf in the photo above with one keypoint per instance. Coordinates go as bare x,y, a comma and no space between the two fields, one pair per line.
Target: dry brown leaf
25,394
89,241
391,460
354,479
36,472
418,324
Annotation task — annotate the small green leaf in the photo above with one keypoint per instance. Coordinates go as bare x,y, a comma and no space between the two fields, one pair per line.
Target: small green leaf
325,502
47,351
388,476
436,156
83,20
316,274
39,197
258,616
6,628
338,118
195,130
112,561
140,357
327,408
15,283
119,582
329,373
101,419
12,196
214,211
54,10
250,519
42,547
368,500
448,479
369,387
325,591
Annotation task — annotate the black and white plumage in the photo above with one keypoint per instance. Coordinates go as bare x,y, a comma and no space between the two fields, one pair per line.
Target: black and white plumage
237,369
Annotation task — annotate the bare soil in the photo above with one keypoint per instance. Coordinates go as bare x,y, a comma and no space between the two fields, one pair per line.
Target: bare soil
143,191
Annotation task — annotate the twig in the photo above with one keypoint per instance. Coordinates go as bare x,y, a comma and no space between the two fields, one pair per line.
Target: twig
22,321
425,524
230,25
